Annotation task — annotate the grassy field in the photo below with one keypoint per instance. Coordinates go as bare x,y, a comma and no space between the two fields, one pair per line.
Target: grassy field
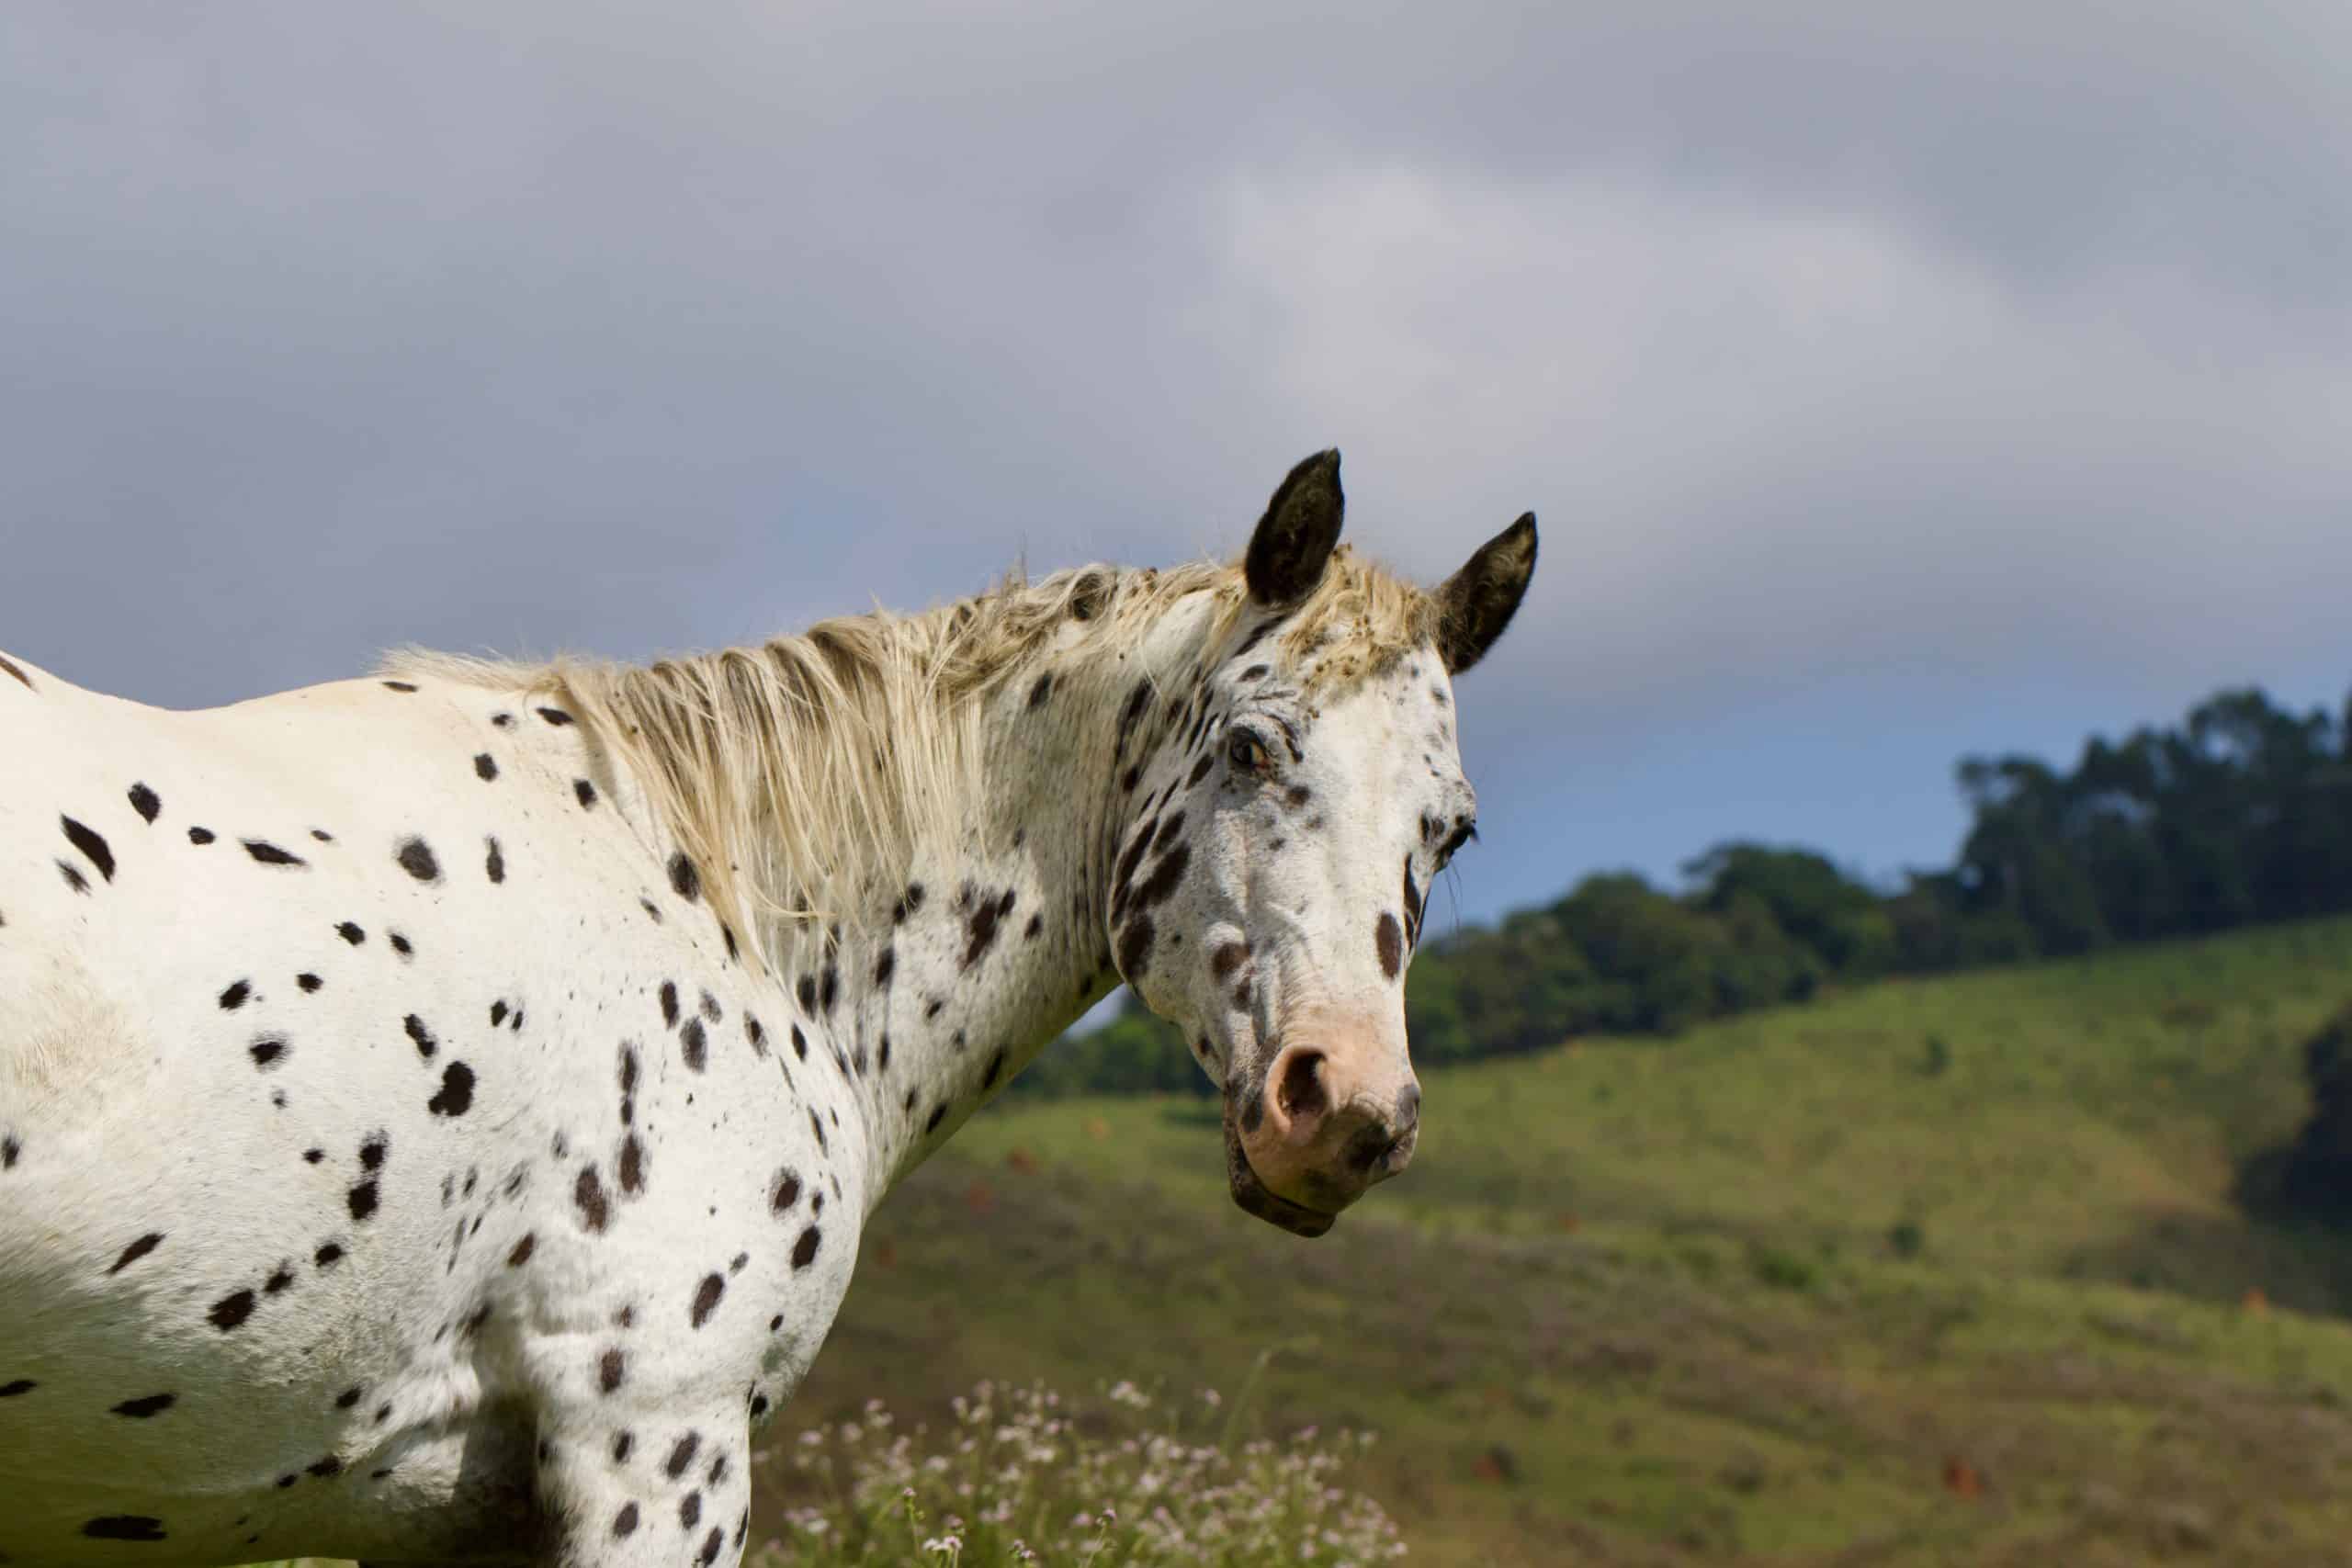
1937,1271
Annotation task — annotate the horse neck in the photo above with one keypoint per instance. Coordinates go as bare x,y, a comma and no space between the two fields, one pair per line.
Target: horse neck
931,994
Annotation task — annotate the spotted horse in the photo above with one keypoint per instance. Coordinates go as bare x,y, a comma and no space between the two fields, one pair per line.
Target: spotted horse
437,1111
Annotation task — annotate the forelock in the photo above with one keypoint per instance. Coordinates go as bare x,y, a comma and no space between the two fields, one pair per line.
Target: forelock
1359,622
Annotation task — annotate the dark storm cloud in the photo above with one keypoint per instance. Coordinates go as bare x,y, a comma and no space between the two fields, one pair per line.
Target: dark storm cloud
1953,348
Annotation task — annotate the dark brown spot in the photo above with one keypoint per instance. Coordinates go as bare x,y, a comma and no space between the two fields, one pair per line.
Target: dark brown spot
416,857
980,932
493,863
583,792
122,1527
231,1310
555,715
151,1404
270,854
1388,937
632,1165
804,1251
235,995
144,802
200,835
787,1191
137,1250
456,1095
1165,877
485,766
1138,701
686,881
669,1004
423,1037
682,1454
1135,947
610,1366
625,1522
588,1196
351,933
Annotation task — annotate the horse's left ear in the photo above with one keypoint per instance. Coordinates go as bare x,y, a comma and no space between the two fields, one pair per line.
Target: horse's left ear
1293,541
1478,602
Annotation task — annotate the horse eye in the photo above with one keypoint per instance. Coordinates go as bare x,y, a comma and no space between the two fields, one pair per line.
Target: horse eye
1467,834
1245,751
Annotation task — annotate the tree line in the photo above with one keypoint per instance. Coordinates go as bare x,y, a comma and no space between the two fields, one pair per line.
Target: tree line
2239,814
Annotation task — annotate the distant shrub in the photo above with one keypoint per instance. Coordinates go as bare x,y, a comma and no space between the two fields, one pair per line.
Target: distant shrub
1781,1269
1906,1238
1021,1478
2317,1176
1936,1060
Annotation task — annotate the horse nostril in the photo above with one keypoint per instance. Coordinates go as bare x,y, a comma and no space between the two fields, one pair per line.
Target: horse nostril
1408,1109
1300,1092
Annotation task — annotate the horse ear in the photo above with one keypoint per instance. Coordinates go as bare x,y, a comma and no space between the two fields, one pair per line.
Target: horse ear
1293,540
1478,602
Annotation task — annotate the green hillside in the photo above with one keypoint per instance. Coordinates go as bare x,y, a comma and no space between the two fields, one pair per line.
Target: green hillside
1938,1270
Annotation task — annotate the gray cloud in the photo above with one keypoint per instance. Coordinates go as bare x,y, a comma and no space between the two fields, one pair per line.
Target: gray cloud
1861,360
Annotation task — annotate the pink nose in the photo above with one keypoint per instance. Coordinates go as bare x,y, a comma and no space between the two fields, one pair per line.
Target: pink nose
1325,1130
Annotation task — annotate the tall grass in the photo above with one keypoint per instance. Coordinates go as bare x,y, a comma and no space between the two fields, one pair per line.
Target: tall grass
1019,1475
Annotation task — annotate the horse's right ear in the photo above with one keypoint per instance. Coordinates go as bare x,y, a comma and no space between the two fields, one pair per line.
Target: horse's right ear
1293,540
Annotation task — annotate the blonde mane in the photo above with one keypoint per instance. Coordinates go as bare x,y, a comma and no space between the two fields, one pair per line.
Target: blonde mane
800,775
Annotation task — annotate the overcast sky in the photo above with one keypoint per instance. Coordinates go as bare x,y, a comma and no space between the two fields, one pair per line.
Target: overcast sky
1893,381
